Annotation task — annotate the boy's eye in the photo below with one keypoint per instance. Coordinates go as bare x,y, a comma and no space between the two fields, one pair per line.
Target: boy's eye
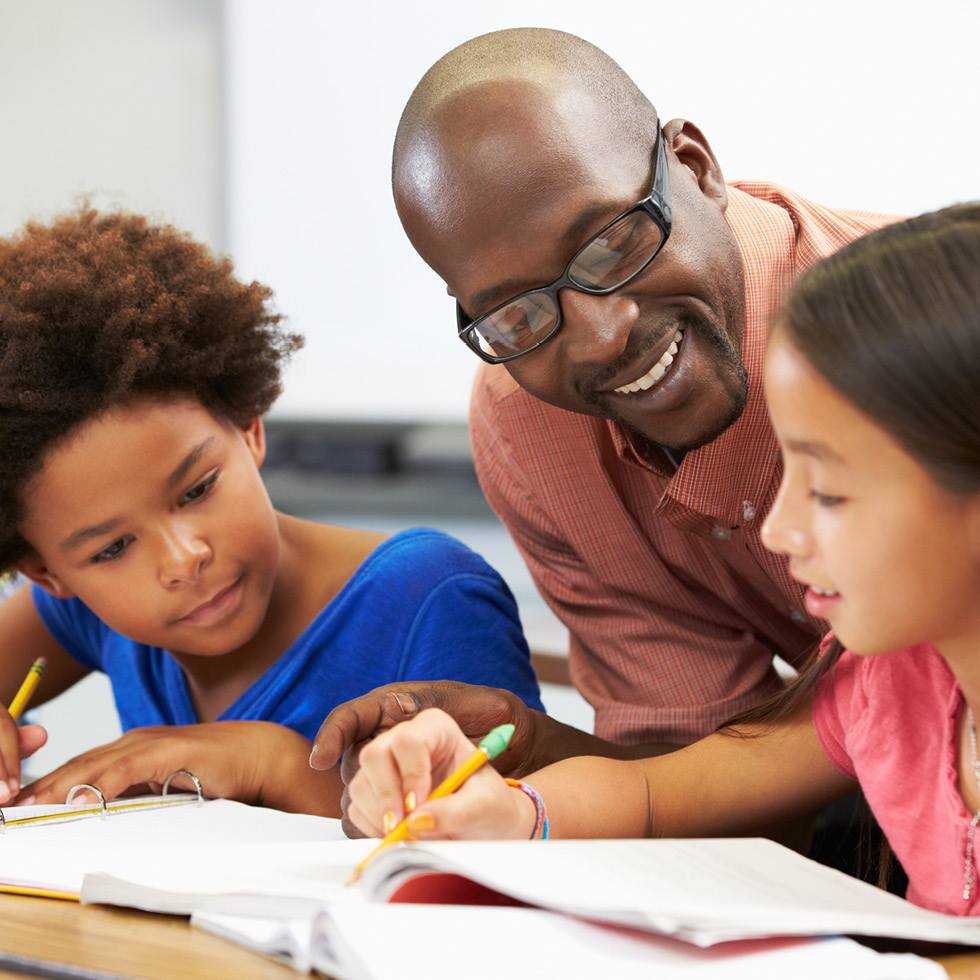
113,551
199,490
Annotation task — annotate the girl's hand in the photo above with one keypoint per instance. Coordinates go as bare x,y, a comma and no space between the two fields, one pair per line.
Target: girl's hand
256,762
402,766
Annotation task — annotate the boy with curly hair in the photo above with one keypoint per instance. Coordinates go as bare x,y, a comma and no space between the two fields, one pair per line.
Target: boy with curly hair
134,374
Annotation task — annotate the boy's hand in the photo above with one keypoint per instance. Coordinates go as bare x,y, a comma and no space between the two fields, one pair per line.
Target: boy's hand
254,762
402,766
15,744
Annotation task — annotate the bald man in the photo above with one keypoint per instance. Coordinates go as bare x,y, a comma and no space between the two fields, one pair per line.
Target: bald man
620,295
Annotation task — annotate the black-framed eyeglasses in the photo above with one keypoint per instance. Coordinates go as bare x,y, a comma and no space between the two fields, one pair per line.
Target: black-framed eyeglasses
617,253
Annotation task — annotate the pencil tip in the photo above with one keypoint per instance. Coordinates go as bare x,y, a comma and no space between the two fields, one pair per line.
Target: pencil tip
354,875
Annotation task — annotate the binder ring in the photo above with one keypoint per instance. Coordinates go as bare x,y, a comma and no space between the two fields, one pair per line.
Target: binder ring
3,823
95,789
190,775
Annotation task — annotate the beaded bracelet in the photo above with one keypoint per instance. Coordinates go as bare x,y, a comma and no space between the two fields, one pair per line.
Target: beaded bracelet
540,831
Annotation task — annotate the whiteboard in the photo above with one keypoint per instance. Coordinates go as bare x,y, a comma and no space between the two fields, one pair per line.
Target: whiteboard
860,103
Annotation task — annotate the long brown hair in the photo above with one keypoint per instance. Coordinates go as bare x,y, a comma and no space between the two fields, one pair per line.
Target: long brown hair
892,322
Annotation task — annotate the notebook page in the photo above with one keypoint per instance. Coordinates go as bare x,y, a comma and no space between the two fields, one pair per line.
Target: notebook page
58,855
704,891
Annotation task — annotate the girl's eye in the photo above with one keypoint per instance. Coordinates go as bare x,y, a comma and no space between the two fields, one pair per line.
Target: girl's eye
825,499
199,490
114,550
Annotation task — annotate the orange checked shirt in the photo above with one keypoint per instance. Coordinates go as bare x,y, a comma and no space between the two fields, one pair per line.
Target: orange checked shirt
674,606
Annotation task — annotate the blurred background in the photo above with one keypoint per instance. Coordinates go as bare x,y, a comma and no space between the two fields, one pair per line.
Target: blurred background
265,130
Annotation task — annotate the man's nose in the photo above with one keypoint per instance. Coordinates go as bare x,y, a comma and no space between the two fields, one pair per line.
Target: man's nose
596,328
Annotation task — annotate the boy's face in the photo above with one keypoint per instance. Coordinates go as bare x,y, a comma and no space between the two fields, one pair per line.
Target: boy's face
155,516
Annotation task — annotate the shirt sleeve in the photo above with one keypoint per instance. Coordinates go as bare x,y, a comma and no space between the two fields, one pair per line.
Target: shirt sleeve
76,628
468,629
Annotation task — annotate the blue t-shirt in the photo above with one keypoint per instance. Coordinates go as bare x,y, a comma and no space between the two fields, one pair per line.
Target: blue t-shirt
422,606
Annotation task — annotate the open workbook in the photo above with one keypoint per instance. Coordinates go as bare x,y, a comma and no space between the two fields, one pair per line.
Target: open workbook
701,891
222,857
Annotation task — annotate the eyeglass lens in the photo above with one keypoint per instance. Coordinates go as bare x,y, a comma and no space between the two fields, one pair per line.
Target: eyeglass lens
609,260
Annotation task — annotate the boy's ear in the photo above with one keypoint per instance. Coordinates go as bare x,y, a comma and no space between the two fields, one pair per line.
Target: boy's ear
254,434
39,573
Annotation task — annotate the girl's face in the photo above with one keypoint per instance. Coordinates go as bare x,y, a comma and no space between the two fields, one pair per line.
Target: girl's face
889,556
155,516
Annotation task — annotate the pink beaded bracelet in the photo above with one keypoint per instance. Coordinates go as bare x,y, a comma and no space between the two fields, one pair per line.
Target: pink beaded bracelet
540,831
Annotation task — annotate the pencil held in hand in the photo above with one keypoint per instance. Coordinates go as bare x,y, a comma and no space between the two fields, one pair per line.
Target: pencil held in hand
31,681
489,748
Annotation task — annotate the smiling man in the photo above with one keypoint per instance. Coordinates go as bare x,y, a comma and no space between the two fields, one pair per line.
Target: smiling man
620,294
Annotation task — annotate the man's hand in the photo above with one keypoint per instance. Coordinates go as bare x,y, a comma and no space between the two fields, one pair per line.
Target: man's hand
475,709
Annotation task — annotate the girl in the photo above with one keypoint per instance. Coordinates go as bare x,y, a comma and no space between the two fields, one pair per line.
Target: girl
873,381
134,373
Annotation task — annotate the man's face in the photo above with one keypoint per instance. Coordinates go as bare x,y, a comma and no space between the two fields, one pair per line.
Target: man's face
500,208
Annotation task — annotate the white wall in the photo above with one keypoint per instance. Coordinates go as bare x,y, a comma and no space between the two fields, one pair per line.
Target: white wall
856,102
117,100
863,103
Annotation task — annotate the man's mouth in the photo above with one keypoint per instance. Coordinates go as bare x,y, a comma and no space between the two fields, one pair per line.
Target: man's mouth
656,373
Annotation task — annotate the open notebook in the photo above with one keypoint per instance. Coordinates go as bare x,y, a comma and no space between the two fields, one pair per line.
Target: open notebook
701,891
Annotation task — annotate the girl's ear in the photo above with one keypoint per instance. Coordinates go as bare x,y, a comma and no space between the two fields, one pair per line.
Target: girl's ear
39,573
693,151
254,434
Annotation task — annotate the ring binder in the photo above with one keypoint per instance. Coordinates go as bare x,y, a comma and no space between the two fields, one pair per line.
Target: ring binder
184,772
95,789
57,813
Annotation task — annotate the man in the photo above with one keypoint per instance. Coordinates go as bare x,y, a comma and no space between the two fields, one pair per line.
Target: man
624,294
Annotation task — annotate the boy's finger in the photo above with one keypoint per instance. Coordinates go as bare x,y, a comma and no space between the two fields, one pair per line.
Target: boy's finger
9,759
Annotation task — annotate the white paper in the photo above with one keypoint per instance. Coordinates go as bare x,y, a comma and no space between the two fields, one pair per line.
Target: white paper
428,942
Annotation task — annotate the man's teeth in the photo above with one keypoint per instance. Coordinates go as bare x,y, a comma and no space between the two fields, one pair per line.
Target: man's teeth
657,371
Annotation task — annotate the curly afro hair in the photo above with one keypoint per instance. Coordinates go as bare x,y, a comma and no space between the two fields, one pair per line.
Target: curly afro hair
97,310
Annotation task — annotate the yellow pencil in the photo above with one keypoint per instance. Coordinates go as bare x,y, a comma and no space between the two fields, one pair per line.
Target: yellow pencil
39,892
492,745
31,681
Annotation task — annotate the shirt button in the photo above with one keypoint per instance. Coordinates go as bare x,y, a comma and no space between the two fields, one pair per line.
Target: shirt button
721,533
797,616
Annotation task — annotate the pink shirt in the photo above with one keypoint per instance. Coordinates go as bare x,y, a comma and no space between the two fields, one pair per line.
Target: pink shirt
675,608
892,723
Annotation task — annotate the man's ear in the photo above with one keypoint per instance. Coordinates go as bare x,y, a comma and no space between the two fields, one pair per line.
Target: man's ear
254,434
694,152
39,573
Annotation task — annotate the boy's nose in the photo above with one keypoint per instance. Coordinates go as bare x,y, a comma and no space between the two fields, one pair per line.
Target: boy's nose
185,555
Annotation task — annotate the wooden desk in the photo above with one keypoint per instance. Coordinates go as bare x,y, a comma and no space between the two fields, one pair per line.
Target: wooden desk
109,943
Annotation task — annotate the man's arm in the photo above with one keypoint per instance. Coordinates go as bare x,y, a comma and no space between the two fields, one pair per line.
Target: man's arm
538,740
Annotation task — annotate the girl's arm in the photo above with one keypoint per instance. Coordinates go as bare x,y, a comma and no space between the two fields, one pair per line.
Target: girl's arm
23,638
721,785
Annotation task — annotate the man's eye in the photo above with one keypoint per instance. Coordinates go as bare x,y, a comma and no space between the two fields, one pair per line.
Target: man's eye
199,490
